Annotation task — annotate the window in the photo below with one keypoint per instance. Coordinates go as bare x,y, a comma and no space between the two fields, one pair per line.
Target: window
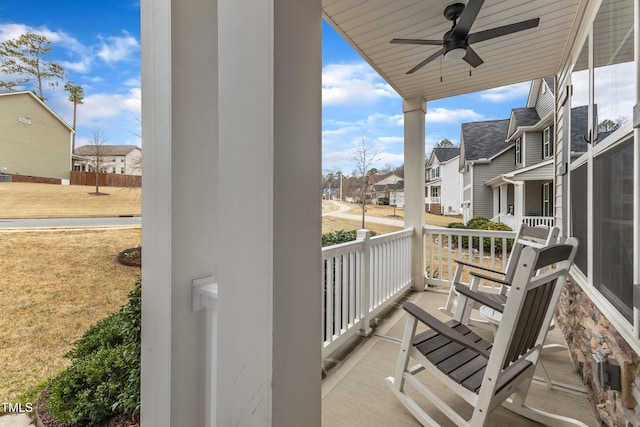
435,172
547,144
122,170
613,226
518,151
601,183
578,188
121,159
547,199
435,191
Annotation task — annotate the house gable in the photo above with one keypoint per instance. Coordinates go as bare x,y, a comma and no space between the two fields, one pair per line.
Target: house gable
36,141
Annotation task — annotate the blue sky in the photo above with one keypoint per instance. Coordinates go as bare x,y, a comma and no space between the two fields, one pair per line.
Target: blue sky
98,44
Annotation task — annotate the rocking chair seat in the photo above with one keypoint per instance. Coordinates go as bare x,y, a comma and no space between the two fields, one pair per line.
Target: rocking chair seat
462,364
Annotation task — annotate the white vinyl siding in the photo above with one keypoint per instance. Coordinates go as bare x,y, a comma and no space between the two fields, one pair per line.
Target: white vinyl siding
533,148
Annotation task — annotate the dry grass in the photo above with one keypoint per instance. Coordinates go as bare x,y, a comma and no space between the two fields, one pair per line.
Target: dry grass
388,212
25,200
55,285
331,223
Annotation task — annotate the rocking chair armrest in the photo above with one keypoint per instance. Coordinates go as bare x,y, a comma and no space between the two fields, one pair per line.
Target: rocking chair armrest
489,278
478,296
443,329
479,267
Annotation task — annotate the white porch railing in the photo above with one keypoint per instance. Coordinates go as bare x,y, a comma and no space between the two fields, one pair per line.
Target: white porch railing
531,221
445,245
535,221
360,279
432,200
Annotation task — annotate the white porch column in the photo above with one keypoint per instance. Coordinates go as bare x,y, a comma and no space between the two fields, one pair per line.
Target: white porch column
518,202
496,201
270,226
504,199
414,167
232,116
179,215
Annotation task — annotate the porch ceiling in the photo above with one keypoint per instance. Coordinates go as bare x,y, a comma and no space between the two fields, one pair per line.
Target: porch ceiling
369,25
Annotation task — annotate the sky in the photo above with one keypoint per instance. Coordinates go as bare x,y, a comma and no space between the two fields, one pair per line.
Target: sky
98,44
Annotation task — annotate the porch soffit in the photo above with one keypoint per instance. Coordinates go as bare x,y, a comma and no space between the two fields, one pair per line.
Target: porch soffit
369,25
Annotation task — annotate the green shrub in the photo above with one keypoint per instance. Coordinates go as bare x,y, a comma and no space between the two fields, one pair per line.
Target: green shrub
383,201
104,377
336,237
481,223
454,239
476,222
495,226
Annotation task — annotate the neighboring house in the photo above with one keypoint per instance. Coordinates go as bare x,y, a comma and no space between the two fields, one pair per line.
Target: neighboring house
35,143
484,154
119,159
380,186
442,181
525,193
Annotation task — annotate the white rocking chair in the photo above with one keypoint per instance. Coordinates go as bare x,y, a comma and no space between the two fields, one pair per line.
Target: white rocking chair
536,237
488,375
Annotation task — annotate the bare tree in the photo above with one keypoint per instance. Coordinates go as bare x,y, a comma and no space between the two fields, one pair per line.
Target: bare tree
364,155
98,142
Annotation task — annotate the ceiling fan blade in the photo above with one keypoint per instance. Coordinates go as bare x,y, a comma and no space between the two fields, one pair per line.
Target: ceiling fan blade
425,62
503,31
472,58
417,41
467,19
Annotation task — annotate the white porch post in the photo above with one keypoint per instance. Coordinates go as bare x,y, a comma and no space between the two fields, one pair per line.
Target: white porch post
232,113
496,201
518,201
504,199
179,215
270,167
414,167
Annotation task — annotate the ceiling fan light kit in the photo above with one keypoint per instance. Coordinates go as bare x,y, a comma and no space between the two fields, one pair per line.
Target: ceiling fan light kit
455,43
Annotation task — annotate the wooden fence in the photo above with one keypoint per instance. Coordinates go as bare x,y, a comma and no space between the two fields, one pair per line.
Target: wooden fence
105,179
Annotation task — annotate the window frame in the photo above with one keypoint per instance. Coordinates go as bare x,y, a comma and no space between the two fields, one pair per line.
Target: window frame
519,151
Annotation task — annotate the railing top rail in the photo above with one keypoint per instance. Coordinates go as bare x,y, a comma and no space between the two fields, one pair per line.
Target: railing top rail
467,232
392,236
341,249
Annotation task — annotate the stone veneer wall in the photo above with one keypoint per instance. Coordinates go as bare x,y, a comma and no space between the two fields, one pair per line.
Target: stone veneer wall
588,331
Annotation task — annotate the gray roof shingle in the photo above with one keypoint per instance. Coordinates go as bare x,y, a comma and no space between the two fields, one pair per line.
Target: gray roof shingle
483,140
106,150
444,154
551,83
525,116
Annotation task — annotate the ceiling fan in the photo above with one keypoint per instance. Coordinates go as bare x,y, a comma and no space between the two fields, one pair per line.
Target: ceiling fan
456,42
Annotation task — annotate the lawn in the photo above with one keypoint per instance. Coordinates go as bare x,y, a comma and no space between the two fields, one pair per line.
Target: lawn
53,287
25,200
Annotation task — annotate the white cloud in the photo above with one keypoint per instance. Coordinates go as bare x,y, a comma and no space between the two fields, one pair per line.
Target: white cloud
118,48
443,115
391,139
506,93
351,84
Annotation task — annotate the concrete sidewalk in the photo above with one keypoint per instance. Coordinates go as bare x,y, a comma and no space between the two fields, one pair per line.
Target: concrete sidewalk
16,420
341,213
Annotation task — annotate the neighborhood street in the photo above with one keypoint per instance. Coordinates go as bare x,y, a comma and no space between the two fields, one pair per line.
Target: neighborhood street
126,222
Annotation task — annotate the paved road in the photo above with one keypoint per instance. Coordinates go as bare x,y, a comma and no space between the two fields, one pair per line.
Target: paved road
70,222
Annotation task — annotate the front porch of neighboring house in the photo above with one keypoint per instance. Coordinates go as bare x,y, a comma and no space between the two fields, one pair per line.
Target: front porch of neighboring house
524,196
433,194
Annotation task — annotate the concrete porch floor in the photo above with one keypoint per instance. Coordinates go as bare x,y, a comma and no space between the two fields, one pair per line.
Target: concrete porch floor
354,392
